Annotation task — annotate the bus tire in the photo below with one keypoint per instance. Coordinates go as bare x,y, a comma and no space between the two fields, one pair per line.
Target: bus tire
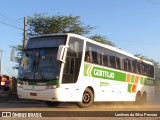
52,104
87,98
138,99
144,97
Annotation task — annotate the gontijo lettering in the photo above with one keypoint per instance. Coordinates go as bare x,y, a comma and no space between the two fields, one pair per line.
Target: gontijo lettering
105,74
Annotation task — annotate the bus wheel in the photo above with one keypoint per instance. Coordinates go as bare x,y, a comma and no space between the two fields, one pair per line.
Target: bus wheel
144,97
138,98
87,98
52,104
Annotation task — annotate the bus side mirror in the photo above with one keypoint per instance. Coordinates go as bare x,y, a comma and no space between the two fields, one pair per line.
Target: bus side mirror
60,55
12,56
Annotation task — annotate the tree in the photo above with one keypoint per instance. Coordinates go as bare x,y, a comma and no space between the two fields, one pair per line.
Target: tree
102,39
41,24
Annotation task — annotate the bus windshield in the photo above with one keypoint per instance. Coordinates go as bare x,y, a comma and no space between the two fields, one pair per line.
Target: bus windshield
39,61
39,65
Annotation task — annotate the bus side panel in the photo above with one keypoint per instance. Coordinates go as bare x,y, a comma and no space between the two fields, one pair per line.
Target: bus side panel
70,93
107,90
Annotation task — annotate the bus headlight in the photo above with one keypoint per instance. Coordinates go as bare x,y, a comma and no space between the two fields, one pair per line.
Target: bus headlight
20,85
51,87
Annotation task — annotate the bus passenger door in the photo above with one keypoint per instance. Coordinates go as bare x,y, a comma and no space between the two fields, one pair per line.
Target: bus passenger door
73,60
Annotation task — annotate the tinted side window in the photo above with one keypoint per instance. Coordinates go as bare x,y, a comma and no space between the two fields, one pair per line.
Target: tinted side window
105,57
93,54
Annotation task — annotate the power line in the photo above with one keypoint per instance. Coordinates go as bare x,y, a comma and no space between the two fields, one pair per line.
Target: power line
10,19
19,19
153,2
11,25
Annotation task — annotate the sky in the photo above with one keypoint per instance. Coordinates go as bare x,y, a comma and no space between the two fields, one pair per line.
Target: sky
133,25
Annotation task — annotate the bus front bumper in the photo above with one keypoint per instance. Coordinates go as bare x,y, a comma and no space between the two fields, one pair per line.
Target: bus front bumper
56,94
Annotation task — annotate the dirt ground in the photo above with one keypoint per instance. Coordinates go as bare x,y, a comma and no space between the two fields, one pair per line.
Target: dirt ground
153,106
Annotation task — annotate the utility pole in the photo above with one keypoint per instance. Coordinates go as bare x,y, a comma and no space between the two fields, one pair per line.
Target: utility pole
25,32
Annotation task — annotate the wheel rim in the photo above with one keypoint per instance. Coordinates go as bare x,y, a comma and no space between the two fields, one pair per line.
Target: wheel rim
86,98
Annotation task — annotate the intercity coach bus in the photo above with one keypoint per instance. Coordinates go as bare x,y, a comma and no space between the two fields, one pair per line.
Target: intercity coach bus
71,68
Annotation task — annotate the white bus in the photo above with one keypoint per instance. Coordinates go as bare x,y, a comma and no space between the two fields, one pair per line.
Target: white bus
71,68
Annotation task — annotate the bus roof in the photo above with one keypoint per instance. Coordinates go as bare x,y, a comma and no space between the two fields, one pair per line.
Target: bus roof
99,44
